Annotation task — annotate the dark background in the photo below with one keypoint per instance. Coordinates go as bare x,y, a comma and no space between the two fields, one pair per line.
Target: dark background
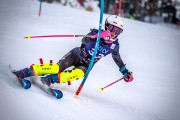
152,11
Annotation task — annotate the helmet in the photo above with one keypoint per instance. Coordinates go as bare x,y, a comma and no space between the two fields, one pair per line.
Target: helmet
114,20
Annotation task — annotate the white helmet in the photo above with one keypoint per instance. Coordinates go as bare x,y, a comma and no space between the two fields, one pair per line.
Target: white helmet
114,20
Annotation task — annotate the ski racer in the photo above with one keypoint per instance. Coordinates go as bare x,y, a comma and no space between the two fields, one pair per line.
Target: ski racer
80,57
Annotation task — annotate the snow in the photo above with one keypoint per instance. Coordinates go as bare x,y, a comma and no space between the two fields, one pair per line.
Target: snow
150,52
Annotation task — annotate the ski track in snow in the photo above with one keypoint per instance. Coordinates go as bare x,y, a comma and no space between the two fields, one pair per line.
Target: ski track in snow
11,83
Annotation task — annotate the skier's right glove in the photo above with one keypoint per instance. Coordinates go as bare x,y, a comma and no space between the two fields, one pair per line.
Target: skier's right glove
128,77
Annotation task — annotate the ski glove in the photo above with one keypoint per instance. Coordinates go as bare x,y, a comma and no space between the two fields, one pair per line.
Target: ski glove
50,79
127,74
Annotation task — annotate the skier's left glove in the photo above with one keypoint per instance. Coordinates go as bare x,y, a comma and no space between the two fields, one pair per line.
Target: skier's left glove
128,77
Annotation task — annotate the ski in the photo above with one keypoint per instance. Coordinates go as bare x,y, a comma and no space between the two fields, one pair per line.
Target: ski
57,93
54,92
26,84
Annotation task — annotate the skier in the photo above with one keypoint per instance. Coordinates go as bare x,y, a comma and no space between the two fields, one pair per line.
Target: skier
80,57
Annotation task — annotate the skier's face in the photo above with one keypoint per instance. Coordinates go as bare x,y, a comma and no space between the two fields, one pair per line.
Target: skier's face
113,35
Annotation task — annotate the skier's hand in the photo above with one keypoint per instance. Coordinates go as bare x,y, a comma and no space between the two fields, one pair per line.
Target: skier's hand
128,77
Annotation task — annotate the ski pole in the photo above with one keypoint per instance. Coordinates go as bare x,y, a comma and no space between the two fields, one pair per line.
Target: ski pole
48,36
102,88
44,36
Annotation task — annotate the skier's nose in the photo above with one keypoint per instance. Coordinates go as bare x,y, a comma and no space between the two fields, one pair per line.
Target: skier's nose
113,34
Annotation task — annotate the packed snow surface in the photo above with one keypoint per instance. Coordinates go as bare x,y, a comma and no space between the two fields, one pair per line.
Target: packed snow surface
151,52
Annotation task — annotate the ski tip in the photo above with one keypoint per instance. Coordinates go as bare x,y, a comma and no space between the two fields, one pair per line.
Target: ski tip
26,84
57,93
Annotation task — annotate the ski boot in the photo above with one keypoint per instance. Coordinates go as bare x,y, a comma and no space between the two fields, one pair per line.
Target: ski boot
63,77
21,74
26,72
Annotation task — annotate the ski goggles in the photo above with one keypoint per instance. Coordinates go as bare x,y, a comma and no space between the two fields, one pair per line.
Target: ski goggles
114,29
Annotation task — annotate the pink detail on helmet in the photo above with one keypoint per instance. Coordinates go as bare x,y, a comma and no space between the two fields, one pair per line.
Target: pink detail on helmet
128,80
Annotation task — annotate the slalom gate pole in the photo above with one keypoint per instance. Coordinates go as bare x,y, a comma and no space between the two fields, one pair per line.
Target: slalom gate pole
95,50
102,88
120,6
40,7
48,36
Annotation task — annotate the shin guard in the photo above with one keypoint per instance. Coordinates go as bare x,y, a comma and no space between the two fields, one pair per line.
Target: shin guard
70,75
43,69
